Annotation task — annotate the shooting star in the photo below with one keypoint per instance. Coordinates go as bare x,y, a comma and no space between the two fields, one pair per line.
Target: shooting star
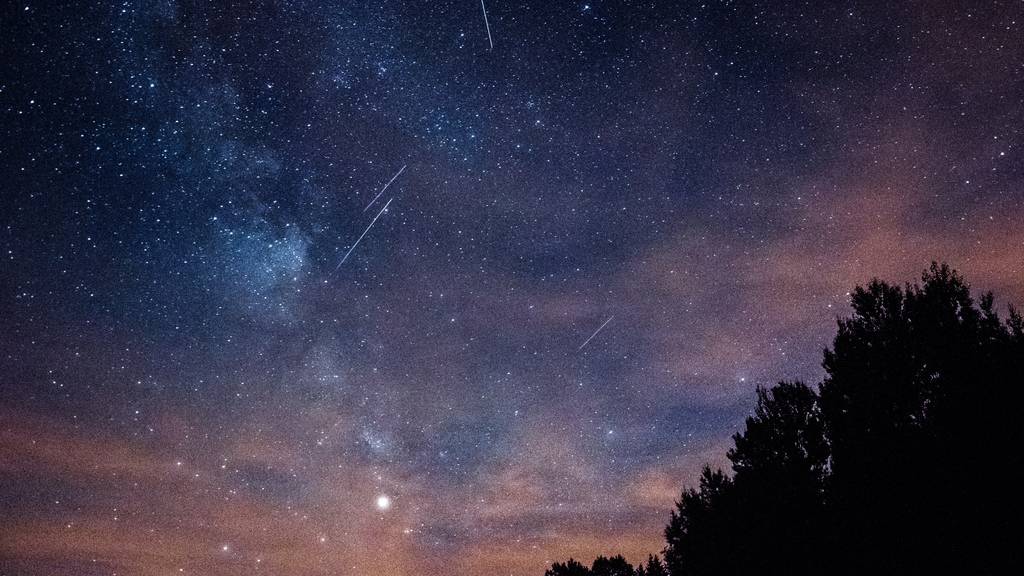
363,234
488,24
595,332
385,188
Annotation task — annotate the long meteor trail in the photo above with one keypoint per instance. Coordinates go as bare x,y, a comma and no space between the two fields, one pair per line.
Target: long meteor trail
363,234
595,332
488,24
385,187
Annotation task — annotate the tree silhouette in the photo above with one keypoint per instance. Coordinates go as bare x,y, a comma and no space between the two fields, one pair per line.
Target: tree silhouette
878,473
908,458
770,512
654,567
614,566
919,398
570,568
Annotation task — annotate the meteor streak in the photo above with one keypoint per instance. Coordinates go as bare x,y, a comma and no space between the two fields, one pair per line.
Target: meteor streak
385,187
595,332
488,24
363,234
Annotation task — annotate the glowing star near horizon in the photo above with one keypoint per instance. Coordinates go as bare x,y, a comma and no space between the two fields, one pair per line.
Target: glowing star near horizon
383,502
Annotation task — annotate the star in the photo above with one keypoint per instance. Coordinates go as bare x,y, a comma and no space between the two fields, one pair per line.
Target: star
708,173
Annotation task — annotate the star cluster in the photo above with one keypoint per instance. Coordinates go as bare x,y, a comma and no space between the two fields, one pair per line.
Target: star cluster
222,353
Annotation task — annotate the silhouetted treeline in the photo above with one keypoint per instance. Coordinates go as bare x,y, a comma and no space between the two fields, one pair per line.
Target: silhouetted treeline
614,566
906,458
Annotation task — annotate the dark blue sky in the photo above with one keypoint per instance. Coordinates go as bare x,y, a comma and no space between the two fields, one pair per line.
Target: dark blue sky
191,379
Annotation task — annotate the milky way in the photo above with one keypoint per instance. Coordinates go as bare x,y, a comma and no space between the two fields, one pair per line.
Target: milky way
191,383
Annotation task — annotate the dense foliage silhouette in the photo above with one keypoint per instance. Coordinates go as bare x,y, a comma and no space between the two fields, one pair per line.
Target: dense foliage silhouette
906,458
570,568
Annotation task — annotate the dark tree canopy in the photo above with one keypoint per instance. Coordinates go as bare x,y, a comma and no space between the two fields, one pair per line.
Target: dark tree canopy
614,566
918,402
570,568
906,458
654,567
602,566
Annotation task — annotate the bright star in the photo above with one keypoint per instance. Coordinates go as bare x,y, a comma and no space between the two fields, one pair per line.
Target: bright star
383,502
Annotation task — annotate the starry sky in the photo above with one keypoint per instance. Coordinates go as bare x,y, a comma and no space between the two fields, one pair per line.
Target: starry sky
580,250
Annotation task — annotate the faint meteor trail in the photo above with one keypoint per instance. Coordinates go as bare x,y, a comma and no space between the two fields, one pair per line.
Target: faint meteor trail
488,24
363,234
595,332
385,187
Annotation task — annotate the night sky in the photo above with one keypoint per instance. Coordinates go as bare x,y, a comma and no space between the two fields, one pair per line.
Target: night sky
600,236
